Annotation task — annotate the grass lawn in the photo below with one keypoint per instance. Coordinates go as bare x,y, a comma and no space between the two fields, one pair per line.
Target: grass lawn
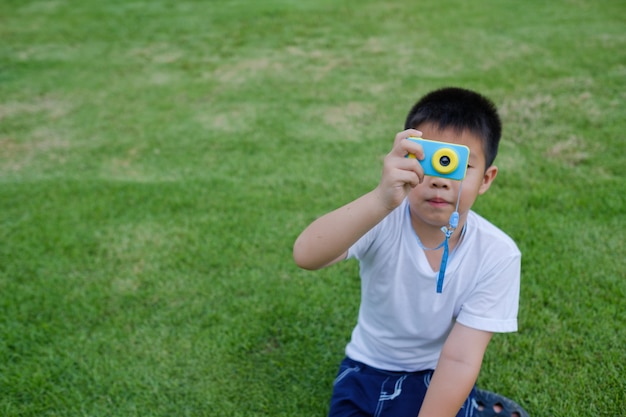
158,158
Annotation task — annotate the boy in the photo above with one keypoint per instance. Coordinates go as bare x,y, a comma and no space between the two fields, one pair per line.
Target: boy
417,349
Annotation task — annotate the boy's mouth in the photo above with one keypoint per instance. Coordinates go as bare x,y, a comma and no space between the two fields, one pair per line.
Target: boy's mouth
438,202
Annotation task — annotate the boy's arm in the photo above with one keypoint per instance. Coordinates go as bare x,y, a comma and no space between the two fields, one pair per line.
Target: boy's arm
456,372
328,238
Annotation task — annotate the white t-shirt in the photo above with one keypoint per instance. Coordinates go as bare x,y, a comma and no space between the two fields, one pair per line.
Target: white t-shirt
403,322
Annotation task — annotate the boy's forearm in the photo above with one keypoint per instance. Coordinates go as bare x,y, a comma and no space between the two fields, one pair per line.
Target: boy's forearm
448,389
330,236
456,372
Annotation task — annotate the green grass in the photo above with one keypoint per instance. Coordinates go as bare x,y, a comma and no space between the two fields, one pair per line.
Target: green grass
157,160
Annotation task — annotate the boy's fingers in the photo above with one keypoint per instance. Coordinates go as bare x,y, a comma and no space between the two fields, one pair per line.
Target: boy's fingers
412,149
410,164
412,167
405,157
404,147
410,178
409,133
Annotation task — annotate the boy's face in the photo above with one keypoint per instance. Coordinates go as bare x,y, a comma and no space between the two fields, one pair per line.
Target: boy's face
434,200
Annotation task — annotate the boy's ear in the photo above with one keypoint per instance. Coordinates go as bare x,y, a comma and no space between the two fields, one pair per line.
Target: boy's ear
488,177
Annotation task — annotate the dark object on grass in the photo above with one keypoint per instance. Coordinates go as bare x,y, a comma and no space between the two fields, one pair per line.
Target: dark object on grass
491,404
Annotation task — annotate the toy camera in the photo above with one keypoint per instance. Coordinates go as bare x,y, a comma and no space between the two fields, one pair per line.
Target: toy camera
442,159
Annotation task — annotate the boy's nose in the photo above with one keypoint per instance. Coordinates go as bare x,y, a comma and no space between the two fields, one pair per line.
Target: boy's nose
437,182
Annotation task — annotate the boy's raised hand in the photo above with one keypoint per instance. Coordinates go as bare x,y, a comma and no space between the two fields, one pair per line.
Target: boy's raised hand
401,174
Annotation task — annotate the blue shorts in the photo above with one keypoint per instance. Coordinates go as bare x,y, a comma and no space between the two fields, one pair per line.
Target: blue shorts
362,391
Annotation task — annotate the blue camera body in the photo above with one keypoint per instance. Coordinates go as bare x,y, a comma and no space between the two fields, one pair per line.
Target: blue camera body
443,159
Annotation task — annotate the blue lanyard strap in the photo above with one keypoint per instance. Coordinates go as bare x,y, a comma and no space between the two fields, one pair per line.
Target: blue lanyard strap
442,268
444,261
447,230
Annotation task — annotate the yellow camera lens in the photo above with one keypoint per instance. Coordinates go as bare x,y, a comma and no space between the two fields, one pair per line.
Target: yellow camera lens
445,160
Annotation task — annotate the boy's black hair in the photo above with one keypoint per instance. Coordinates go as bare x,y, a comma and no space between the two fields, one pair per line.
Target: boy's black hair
460,109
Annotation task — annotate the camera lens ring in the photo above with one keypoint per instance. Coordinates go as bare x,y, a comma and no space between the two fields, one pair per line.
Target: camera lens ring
450,160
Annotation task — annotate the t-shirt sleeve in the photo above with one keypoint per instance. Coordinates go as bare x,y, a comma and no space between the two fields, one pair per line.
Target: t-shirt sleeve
387,228
493,304
360,247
